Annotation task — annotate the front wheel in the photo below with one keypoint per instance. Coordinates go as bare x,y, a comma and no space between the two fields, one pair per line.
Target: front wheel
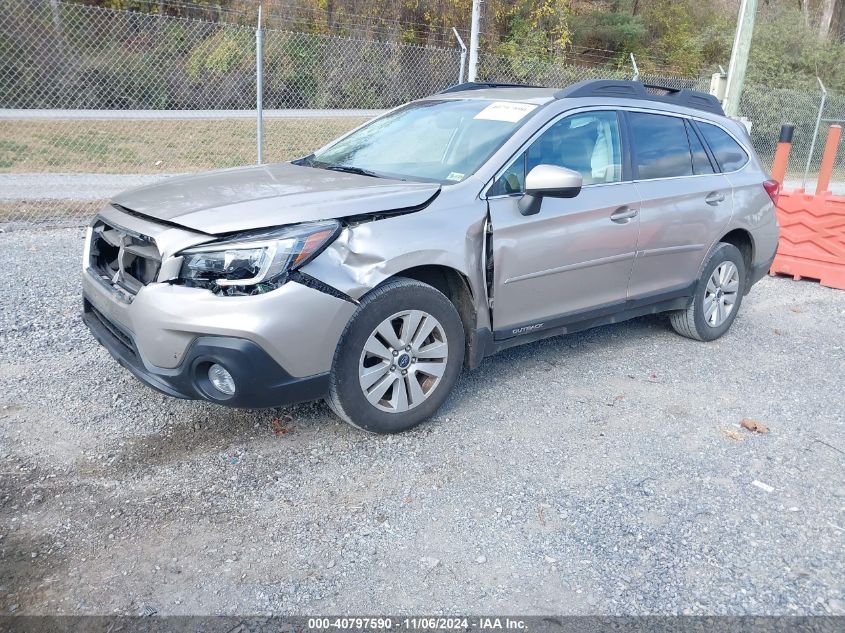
717,298
398,358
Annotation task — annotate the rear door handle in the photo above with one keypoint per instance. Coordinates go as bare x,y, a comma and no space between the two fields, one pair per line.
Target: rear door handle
623,214
715,198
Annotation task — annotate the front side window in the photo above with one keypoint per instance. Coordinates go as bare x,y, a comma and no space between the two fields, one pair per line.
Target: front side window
661,146
727,151
587,142
434,140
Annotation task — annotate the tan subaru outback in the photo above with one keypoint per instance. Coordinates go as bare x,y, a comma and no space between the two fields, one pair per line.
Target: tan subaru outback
371,272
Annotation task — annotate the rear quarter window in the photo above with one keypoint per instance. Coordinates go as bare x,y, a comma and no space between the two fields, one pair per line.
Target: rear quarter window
729,154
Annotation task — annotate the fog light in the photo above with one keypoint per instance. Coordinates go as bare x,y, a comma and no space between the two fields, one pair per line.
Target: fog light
221,379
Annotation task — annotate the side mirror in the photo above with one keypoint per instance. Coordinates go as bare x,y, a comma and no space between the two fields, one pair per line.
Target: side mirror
548,180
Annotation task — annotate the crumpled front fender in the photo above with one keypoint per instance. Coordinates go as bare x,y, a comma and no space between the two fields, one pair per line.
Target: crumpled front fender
367,254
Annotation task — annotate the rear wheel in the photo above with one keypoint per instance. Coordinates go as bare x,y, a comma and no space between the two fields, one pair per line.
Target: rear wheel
717,298
398,358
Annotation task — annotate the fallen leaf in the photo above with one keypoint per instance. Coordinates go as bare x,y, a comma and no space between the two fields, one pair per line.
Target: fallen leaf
280,427
754,426
777,331
796,309
734,434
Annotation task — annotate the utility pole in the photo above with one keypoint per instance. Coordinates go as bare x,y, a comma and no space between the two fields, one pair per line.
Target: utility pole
473,40
739,56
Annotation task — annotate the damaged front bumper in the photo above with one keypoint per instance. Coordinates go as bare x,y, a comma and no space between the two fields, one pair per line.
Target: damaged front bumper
260,381
278,347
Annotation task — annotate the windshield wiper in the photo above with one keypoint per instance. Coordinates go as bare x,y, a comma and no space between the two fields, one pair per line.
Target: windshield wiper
310,161
349,169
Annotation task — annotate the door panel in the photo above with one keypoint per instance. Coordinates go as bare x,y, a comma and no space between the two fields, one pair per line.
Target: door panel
684,203
568,258
679,219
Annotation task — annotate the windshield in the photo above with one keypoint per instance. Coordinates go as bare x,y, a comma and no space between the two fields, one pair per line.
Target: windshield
442,141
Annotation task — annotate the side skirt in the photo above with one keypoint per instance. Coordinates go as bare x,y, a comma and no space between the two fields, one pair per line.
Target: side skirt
500,340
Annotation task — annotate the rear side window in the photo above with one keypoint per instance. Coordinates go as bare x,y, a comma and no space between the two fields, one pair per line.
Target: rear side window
700,160
727,151
661,146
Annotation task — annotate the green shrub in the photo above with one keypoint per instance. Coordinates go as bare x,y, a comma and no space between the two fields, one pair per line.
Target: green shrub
787,52
228,50
612,31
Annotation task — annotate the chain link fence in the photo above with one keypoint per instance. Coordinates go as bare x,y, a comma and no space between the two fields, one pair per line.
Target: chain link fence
94,101
548,73
768,108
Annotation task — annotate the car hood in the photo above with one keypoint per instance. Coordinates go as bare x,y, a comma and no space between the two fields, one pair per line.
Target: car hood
270,195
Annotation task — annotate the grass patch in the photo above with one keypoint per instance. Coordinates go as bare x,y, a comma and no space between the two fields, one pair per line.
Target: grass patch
11,152
87,144
153,146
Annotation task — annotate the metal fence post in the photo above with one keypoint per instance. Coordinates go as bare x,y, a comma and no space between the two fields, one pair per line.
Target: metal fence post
463,55
259,88
815,133
473,40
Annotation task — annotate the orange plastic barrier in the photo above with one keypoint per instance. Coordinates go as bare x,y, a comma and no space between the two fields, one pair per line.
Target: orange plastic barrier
812,227
812,237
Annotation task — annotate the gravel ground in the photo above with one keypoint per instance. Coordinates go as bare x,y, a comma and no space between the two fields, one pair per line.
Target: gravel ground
43,186
585,474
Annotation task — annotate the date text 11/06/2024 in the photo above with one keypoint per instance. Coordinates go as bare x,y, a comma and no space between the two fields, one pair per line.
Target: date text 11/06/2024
417,624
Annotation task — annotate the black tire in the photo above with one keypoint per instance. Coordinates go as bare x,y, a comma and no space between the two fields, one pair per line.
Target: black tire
346,397
692,322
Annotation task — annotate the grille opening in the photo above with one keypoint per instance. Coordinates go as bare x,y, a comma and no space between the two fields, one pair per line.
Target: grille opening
104,255
123,259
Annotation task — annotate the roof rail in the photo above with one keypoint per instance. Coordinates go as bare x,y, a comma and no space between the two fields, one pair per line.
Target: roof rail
646,92
474,85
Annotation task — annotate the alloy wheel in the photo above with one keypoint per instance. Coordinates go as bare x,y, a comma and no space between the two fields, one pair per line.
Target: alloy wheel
403,361
721,293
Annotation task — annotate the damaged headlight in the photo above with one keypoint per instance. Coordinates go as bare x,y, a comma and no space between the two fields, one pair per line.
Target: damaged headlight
256,262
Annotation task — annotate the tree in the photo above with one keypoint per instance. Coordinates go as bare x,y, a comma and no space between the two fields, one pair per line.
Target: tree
828,11
804,5
832,21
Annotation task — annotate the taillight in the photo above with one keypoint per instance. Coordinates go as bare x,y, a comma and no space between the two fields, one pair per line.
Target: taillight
772,188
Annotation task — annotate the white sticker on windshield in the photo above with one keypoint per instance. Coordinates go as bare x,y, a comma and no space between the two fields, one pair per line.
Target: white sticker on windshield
455,175
505,111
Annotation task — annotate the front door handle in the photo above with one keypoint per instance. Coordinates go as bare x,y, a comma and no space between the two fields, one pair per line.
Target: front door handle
623,214
715,198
